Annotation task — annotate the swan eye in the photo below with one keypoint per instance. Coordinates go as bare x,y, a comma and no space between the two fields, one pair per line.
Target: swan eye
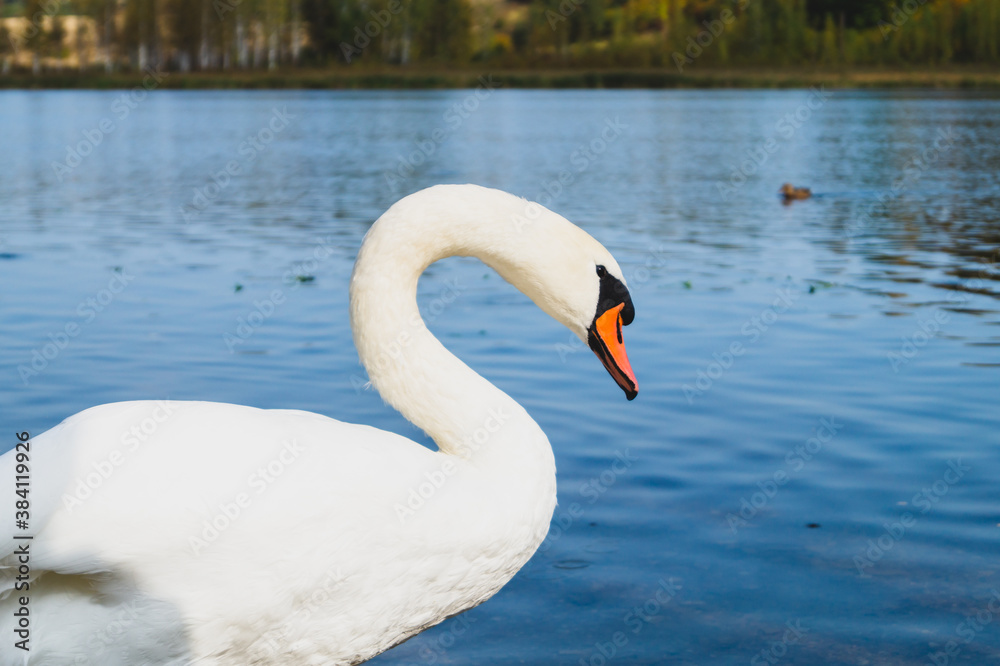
601,271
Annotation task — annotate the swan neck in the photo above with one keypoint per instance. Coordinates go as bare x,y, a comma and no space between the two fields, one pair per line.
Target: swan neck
459,409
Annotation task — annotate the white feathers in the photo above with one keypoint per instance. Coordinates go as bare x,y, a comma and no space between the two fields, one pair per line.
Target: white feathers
215,534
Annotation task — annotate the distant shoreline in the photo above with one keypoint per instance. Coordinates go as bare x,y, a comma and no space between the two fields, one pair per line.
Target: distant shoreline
361,78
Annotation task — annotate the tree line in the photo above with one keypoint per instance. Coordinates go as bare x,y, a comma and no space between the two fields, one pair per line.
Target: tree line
682,34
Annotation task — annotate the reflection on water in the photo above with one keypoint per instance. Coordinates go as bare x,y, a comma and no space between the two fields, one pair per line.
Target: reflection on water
812,461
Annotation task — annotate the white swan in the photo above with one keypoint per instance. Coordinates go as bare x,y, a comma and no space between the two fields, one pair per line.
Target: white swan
205,533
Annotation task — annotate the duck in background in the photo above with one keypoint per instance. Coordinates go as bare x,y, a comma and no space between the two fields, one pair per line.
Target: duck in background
790,193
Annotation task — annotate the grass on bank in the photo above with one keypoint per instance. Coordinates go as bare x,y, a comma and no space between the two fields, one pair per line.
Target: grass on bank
428,78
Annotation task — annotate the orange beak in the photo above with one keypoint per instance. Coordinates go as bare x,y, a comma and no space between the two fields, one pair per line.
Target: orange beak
605,338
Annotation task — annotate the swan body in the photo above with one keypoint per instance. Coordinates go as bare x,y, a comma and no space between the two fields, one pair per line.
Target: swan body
214,534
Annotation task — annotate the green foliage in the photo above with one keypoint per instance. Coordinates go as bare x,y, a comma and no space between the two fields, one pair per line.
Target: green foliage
56,35
441,30
184,20
686,34
33,35
331,22
858,14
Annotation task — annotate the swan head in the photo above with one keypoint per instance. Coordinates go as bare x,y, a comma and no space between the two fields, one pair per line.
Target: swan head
558,265
573,277
604,335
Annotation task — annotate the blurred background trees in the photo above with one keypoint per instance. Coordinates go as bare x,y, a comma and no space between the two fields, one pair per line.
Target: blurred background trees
188,35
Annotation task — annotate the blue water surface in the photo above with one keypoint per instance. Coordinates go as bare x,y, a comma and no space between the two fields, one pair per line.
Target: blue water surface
810,473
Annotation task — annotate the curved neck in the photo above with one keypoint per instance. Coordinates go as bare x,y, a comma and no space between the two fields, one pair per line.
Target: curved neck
461,411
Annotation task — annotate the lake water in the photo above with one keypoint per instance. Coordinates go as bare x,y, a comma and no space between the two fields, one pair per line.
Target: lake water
810,472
